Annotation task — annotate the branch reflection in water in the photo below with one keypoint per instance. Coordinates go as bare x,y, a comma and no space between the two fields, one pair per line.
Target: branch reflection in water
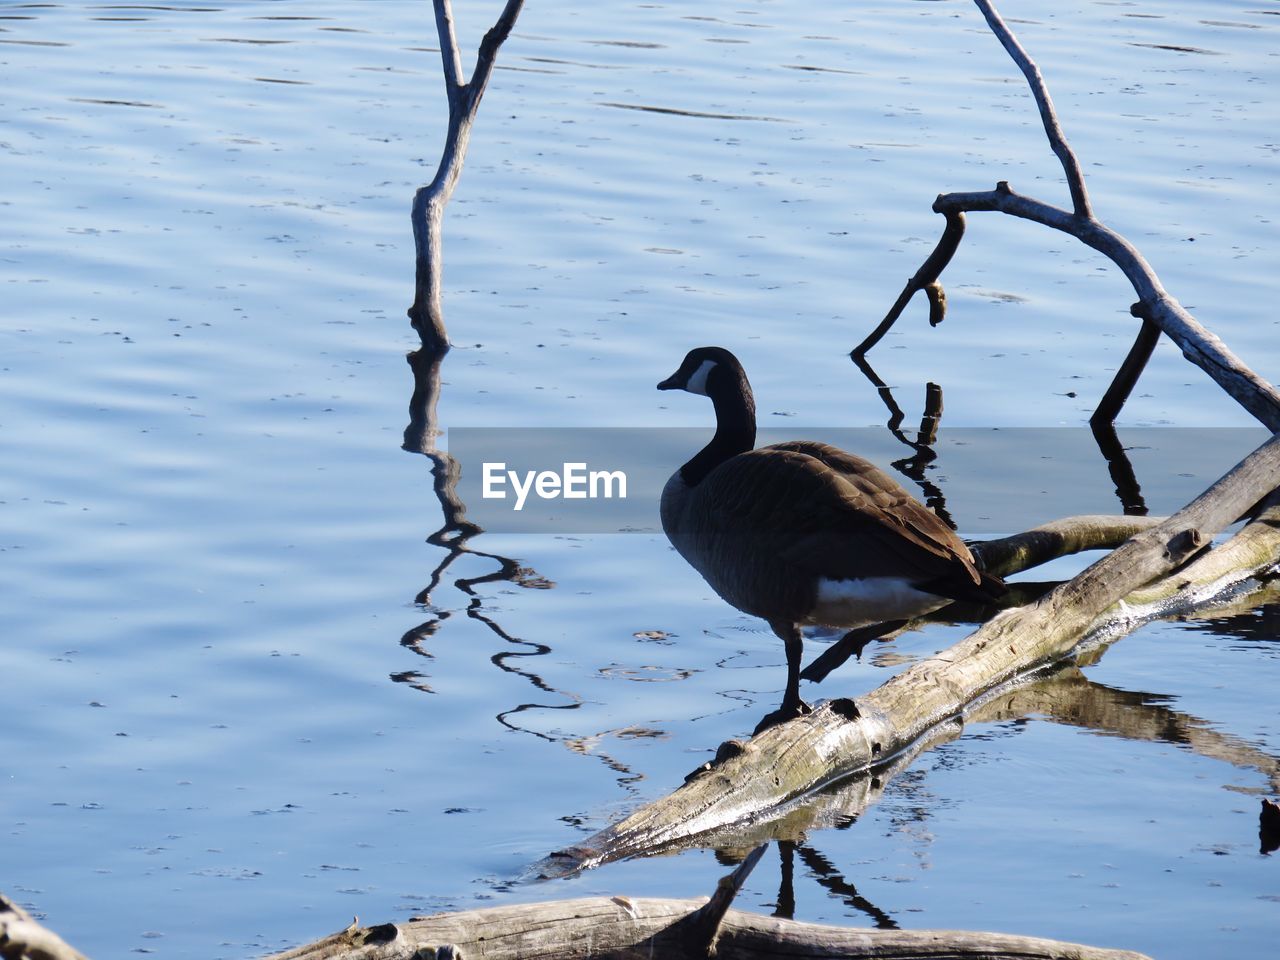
914,466
1127,489
455,537
855,641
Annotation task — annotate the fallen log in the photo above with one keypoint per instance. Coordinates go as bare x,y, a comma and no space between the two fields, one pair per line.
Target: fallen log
623,928
844,737
620,928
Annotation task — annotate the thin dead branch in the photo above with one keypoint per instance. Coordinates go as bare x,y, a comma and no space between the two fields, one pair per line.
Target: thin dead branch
427,312
926,278
1048,115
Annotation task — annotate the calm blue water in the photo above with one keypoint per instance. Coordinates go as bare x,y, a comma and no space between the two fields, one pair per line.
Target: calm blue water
230,724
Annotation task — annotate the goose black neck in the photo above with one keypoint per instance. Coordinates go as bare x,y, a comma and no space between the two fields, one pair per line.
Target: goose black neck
735,423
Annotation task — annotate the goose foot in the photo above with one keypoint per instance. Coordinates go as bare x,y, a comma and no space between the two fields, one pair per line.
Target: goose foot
782,715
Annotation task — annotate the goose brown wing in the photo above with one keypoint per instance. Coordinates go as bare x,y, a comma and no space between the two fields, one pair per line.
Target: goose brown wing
834,514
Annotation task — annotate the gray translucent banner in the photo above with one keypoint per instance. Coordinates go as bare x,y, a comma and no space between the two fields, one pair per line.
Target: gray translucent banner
991,481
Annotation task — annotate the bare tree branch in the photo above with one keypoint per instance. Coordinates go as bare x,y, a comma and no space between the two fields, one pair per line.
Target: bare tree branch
427,312
1155,306
1198,344
1127,376
926,278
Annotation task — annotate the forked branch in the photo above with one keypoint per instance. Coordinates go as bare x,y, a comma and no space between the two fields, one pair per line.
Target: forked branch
427,312
1160,312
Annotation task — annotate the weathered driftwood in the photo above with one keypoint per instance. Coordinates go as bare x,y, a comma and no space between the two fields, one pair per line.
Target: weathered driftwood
1230,568
427,313
844,737
1063,695
22,938
1156,307
619,928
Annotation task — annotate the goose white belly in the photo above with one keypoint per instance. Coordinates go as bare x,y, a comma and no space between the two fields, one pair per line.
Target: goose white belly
853,603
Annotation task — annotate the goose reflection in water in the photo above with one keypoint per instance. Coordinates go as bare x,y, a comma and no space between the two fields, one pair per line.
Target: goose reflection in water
802,532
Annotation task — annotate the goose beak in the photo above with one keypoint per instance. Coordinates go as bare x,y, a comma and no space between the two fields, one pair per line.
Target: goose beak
671,383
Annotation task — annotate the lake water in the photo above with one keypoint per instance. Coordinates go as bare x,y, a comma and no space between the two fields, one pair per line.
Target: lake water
232,721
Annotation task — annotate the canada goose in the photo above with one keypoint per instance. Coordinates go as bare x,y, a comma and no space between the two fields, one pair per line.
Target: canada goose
803,532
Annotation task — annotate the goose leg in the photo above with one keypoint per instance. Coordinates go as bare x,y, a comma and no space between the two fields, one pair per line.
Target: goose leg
792,705
850,645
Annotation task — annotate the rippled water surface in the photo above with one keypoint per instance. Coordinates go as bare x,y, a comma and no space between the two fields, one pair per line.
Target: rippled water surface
233,718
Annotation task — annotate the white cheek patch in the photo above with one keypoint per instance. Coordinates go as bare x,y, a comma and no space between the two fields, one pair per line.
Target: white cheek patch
698,381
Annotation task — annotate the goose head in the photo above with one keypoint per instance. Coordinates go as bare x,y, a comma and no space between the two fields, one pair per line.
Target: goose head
714,372
705,369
